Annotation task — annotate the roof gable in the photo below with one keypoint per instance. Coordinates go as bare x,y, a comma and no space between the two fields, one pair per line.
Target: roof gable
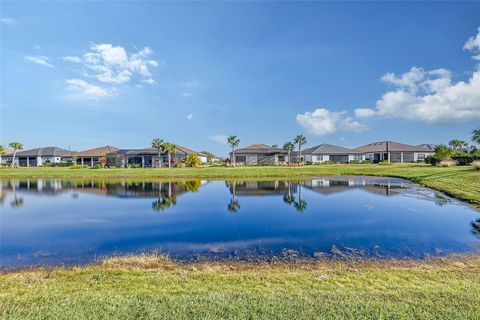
390,146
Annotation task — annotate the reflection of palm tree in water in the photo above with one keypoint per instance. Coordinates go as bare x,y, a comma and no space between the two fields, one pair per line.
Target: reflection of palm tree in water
16,202
289,198
164,202
300,205
234,204
476,227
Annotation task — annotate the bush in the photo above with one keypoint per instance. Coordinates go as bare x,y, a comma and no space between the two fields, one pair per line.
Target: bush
476,165
366,162
180,165
432,159
385,163
447,163
78,167
59,164
465,159
192,160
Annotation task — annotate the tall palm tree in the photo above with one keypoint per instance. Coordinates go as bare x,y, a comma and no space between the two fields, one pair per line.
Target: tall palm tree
170,148
159,145
476,136
289,146
233,141
300,140
16,146
2,152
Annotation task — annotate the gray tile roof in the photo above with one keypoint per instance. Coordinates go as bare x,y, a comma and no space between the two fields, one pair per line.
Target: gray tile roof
259,148
383,146
328,149
44,152
153,151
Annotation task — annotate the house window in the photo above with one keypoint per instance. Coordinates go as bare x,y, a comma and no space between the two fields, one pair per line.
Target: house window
241,159
421,156
281,158
357,157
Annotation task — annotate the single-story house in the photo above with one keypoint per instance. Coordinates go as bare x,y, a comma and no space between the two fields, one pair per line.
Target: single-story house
327,152
260,154
148,157
7,156
38,156
92,157
394,152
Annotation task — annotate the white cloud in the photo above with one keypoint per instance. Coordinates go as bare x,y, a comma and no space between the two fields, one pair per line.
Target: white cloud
364,112
323,122
219,138
114,65
431,96
189,116
72,59
8,21
41,60
186,94
80,89
473,44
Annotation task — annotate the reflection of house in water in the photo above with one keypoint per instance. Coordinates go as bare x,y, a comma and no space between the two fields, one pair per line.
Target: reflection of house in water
333,185
261,188
117,189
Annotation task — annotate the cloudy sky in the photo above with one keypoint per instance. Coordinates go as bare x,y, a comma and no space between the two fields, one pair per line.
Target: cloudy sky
80,75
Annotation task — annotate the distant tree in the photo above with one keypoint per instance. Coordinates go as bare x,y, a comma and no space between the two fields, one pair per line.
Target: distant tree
210,156
300,140
476,136
274,145
170,149
16,146
2,150
158,144
457,144
233,141
192,160
289,146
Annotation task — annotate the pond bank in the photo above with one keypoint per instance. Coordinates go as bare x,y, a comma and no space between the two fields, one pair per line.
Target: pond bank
461,182
150,286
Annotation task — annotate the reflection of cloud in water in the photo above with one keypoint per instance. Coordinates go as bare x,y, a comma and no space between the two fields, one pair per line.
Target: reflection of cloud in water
94,221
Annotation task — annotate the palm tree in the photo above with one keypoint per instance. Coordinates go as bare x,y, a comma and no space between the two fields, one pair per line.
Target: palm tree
16,146
159,145
170,148
457,144
289,146
2,152
233,141
300,140
476,136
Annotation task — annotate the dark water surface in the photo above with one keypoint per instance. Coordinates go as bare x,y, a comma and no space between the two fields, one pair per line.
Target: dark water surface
54,222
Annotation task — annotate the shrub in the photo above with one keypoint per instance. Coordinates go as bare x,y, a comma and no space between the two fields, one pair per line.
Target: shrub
59,164
78,167
366,161
180,165
465,159
447,163
355,161
192,160
384,163
476,165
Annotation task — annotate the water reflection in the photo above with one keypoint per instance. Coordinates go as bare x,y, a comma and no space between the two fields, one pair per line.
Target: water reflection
61,221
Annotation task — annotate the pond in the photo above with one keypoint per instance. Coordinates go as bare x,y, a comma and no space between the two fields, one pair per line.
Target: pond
57,222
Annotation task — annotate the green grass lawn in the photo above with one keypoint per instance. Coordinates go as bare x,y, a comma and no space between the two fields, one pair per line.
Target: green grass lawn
462,182
131,289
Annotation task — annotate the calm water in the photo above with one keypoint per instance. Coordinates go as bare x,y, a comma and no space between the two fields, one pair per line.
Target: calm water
45,222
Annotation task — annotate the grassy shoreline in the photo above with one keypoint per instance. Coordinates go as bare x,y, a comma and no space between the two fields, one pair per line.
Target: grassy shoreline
154,287
461,182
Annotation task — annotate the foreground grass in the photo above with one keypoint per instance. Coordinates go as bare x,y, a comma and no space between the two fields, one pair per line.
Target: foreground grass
460,182
152,287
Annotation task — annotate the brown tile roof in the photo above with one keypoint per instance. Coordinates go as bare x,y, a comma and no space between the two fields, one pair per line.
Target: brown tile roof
383,146
96,152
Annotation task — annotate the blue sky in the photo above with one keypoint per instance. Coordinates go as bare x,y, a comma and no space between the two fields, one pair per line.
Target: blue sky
85,74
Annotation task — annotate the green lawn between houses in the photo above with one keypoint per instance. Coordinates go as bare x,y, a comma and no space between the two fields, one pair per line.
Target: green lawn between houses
151,287
462,182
